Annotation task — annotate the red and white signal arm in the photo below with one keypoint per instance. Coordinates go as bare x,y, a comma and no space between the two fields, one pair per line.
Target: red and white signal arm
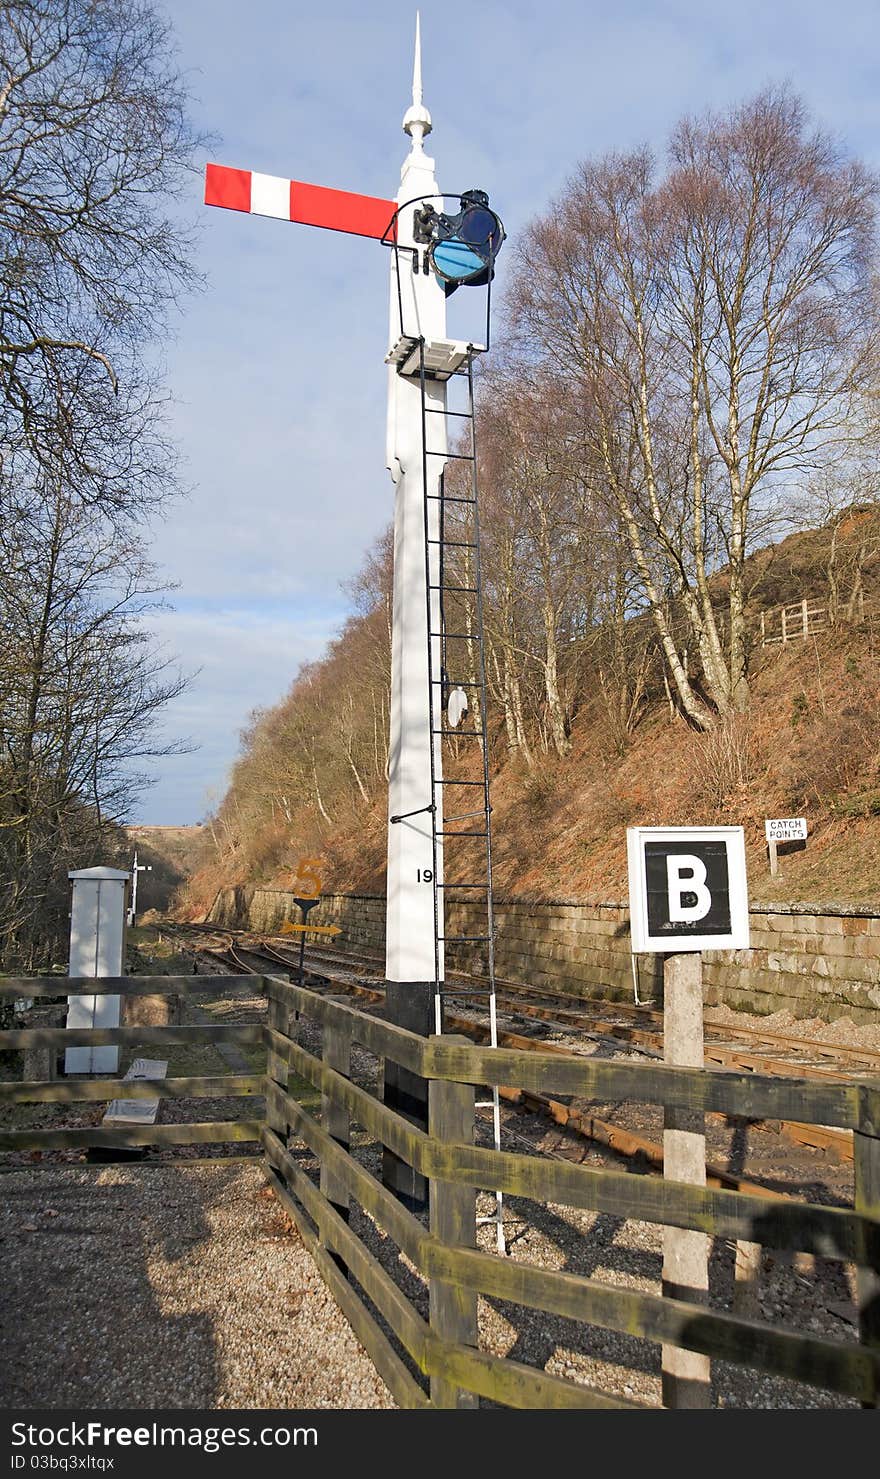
687,889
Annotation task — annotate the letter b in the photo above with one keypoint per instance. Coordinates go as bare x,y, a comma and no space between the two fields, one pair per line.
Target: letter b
686,874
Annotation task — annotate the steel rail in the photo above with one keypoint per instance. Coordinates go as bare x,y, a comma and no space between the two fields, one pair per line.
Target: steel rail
623,1142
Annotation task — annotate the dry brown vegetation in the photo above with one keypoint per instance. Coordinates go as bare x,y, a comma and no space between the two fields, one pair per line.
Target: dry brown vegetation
808,745
170,854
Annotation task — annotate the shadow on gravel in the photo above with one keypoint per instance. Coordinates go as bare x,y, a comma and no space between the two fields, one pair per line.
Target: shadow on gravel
539,1336
82,1323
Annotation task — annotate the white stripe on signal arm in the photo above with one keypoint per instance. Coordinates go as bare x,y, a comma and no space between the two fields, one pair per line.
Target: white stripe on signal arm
270,196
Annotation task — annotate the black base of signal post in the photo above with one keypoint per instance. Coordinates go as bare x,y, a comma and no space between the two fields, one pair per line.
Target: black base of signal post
408,1004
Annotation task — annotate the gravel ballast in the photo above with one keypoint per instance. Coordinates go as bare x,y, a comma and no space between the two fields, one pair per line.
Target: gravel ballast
156,1287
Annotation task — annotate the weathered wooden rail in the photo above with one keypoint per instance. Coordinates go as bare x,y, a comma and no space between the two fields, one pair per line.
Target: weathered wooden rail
445,1346
430,1356
800,619
121,1137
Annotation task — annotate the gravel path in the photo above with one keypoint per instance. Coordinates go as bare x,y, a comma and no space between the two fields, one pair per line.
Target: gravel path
159,1287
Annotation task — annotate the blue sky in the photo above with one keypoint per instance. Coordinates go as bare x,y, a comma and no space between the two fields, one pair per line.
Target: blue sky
276,369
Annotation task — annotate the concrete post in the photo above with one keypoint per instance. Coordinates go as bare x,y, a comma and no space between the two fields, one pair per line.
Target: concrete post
686,1374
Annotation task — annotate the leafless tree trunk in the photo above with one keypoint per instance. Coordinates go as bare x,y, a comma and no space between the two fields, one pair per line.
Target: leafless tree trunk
94,138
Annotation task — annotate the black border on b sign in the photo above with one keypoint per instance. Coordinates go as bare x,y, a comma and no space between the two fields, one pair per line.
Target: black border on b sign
714,857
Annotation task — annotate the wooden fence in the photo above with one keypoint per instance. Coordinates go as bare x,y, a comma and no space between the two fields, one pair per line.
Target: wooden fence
120,1137
801,619
808,618
427,1349
444,1347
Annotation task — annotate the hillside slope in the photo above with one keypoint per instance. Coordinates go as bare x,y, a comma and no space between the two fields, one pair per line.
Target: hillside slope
810,745
170,855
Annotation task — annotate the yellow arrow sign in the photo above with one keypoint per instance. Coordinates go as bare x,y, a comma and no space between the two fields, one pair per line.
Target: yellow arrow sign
314,929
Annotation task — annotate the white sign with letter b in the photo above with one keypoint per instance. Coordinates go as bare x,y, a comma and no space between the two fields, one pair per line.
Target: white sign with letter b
687,888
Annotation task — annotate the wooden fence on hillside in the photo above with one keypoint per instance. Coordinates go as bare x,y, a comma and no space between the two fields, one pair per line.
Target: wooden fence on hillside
426,1343
808,618
801,619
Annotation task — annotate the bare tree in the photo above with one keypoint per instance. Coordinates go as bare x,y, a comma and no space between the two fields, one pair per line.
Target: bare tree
718,327
79,688
844,497
316,761
94,140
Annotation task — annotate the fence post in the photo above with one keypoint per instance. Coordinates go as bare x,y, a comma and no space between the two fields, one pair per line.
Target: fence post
277,1068
784,627
866,1157
805,618
685,1374
453,1219
334,1116
763,631
747,1280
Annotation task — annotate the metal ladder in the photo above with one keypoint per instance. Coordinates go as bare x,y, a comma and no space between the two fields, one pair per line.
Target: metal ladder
460,634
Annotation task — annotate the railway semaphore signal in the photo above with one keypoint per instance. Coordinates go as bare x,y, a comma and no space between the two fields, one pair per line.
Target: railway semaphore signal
434,250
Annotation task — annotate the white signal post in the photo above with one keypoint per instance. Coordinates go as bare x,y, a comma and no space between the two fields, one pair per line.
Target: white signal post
418,305
136,868
417,339
417,311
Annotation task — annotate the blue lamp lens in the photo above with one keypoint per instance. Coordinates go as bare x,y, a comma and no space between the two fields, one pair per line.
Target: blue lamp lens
481,228
456,261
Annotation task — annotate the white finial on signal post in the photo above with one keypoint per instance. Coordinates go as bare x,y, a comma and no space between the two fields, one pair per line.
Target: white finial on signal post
417,120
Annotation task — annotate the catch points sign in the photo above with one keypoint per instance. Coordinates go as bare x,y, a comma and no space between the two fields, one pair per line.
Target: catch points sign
786,829
687,888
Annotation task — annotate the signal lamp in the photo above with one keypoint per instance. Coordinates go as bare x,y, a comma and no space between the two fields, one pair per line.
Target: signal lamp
463,247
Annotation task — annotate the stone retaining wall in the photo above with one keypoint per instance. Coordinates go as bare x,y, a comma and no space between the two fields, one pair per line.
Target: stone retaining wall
822,961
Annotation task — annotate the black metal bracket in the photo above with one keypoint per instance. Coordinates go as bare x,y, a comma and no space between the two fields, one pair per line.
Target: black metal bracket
306,904
417,813
389,239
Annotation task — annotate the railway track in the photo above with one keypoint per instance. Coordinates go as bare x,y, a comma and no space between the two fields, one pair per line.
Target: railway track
614,1023
640,1026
